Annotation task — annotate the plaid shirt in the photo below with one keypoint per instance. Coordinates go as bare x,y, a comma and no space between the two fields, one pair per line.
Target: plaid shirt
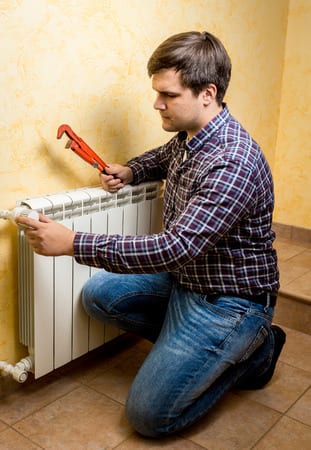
218,206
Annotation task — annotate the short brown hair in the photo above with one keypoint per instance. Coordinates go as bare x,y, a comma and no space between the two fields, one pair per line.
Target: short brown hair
200,58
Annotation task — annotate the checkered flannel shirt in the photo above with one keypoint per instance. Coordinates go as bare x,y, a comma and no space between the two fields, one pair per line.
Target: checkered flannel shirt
218,206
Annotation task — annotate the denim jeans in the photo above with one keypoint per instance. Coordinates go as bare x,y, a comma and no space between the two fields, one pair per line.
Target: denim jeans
202,347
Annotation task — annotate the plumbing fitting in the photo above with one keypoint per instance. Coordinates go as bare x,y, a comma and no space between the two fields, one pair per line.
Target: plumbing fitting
19,211
19,372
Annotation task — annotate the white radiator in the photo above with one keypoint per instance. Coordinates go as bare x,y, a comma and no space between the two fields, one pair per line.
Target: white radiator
52,322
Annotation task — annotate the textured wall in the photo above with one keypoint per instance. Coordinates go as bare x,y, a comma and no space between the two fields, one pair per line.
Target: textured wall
293,153
83,63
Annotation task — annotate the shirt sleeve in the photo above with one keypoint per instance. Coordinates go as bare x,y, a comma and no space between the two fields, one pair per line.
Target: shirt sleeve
224,196
153,164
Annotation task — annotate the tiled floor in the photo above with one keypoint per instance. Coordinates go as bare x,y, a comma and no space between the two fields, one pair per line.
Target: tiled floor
82,407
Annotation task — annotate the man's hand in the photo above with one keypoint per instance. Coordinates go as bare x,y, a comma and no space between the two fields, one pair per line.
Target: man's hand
47,237
116,177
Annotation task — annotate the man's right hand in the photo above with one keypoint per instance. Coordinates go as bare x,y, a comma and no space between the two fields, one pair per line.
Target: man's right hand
116,177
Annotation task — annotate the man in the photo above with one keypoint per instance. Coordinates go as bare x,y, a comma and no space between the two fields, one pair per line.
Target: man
204,289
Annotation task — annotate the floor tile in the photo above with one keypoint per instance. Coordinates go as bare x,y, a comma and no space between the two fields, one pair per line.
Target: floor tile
103,362
11,440
136,442
287,434
144,346
81,420
290,272
82,407
234,424
297,349
302,259
301,411
285,388
116,382
25,401
301,286
287,249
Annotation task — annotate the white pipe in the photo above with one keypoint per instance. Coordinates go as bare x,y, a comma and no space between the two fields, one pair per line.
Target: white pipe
20,371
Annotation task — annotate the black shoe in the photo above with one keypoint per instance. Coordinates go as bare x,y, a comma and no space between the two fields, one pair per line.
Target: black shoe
260,381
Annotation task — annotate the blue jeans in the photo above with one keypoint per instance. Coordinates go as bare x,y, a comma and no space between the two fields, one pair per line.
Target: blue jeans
203,347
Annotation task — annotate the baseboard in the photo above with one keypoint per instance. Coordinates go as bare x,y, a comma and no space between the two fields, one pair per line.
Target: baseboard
298,234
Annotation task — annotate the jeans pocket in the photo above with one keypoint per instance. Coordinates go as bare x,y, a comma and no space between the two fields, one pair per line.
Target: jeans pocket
226,311
261,335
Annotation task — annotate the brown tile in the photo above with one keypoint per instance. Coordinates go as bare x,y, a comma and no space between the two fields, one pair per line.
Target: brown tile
234,423
301,286
303,259
116,382
301,411
290,272
286,386
144,346
11,440
8,385
287,249
25,401
112,354
136,442
297,349
81,420
287,434
99,366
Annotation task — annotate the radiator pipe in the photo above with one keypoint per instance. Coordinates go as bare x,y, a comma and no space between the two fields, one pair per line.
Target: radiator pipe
19,211
19,372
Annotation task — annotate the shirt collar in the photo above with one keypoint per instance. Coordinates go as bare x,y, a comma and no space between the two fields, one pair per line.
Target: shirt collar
206,132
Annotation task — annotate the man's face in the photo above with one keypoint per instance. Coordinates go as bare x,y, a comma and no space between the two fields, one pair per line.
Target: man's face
179,108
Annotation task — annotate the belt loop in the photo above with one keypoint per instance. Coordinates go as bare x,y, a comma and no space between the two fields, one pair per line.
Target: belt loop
268,302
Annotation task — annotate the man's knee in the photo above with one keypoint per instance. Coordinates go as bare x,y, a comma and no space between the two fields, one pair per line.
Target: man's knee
95,290
144,418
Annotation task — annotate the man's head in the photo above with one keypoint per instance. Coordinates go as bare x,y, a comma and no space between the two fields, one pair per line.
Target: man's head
200,58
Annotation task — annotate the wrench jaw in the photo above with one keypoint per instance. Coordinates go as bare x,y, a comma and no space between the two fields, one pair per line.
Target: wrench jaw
68,131
68,143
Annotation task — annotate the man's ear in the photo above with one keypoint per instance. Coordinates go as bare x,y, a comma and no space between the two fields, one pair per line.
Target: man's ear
209,94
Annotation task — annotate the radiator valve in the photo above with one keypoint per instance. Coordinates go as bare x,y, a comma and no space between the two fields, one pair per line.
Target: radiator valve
19,372
18,212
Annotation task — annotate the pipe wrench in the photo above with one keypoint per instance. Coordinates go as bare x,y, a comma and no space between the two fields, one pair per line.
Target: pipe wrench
81,148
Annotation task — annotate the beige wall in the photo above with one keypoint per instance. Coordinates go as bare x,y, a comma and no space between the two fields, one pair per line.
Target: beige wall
292,170
83,63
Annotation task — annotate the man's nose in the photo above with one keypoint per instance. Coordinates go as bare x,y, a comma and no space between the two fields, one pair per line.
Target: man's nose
159,104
